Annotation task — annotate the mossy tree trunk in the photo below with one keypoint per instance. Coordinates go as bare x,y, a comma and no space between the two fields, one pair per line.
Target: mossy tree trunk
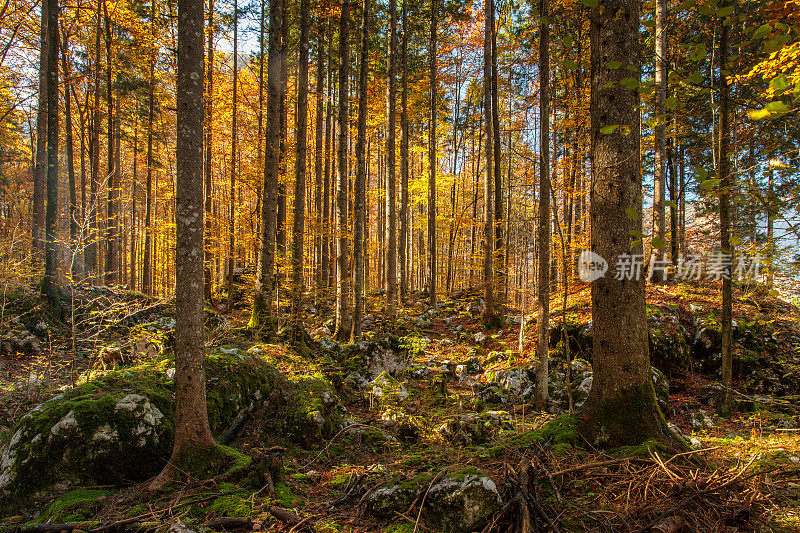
621,408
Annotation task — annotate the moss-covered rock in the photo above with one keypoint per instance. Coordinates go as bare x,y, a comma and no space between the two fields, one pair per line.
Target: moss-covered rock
118,426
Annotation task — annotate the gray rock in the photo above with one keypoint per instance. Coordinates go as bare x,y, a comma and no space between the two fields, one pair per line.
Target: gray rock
701,421
462,505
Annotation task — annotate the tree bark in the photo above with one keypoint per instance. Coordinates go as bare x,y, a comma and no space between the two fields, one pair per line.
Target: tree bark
50,285
621,408
342,249
432,157
391,236
660,139
209,148
403,237
111,263
726,246
361,174
148,198
192,431
298,228
543,289
319,270
234,134
488,190
499,249
40,158
262,314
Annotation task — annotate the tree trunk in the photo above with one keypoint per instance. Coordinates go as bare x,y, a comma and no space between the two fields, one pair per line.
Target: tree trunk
73,201
192,432
725,218
403,237
50,285
92,248
391,237
298,228
234,134
432,158
319,270
361,171
40,158
209,147
148,193
660,139
111,266
488,191
326,184
262,315
499,250
543,289
621,408
342,249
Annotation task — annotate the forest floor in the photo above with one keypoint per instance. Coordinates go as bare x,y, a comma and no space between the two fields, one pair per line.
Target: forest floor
455,401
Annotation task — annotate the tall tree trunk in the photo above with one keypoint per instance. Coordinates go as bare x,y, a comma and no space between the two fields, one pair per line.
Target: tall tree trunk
432,157
262,315
209,148
659,166
234,134
499,249
192,431
488,227
40,157
148,193
403,237
391,108
134,179
342,250
50,285
326,185
319,270
621,408
73,201
111,266
725,217
543,289
361,170
92,248
771,200
298,228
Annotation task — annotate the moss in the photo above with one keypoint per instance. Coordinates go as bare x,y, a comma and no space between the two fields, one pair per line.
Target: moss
100,443
74,506
629,418
285,496
202,463
405,527
240,504
642,450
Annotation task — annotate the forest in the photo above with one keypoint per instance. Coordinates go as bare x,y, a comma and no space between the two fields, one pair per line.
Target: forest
415,266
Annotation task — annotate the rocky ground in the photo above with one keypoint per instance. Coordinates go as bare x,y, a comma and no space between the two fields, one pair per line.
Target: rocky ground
429,428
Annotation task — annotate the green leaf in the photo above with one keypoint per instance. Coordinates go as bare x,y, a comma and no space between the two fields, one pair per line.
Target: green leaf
590,3
625,130
695,78
606,130
670,203
636,233
569,64
709,183
613,65
773,44
629,83
632,213
777,107
724,11
658,243
779,83
735,240
609,84
702,173
762,31
671,103
700,52
567,41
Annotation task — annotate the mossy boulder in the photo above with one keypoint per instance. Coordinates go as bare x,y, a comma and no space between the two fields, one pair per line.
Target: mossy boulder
118,426
461,502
